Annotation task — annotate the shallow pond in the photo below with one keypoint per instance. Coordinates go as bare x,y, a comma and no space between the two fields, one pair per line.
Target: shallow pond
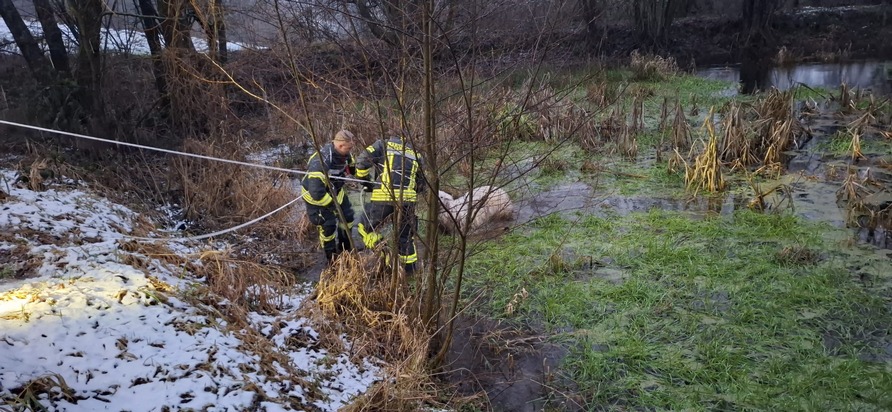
871,75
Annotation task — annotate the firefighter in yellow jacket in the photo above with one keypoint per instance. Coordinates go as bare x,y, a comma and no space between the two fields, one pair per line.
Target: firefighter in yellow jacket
398,182
322,190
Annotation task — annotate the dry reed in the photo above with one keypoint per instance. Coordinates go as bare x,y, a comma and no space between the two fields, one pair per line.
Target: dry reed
681,131
383,324
706,174
219,194
651,67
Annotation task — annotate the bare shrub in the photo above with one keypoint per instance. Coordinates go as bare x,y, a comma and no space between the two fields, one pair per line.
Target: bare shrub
197,98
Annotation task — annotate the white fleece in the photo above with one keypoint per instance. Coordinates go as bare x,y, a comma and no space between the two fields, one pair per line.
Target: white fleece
491,204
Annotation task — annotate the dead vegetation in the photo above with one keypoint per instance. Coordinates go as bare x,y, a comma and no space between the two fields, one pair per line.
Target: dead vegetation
384,323
650,67
221,194
706,172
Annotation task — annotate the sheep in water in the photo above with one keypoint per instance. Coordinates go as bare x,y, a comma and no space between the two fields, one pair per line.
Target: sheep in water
491,204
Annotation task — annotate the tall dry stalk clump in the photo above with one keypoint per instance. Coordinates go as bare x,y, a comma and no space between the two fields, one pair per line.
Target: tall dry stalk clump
220,194
860,125
863,207
601,94
737,146
681,130
383,323
560,118
777,126
651,67
627,142
847,99
706,174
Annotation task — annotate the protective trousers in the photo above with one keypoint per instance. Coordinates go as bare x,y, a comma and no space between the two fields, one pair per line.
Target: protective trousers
404,220
334,235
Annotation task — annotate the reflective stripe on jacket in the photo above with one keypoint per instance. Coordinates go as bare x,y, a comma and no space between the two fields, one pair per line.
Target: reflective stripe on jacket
398,169
327,161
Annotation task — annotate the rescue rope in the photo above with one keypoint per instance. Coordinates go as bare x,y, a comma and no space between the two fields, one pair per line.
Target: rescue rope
198,156
217,233
175,152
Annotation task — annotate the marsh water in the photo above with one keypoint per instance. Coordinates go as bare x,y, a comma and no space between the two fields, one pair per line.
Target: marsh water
872,75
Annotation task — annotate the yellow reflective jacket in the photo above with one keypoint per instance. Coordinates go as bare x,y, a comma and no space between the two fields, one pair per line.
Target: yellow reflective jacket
397,170
314,190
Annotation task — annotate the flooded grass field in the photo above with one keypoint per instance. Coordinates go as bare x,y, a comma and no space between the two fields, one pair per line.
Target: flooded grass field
619,289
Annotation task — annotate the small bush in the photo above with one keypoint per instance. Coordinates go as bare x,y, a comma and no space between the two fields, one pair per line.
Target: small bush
514,123
649,67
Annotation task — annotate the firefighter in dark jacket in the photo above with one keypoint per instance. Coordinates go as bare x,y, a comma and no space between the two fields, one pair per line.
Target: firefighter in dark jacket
398,180
322,192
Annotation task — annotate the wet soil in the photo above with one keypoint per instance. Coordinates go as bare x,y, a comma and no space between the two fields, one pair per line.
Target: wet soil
516,368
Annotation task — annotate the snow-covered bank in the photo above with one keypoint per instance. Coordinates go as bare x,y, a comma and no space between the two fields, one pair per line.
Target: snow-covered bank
79,310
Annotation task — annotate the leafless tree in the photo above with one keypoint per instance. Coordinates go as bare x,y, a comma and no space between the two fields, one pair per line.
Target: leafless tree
653,18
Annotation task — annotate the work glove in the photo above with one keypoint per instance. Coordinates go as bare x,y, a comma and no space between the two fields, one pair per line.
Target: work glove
368,187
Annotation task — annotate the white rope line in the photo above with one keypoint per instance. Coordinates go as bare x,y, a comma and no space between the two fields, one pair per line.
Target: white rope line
139,146
158,149
217,233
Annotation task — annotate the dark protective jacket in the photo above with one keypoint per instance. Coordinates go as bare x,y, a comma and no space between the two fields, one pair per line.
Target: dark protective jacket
397,169
327,161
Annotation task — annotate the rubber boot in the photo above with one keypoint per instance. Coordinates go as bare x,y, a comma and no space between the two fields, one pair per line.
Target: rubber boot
344,242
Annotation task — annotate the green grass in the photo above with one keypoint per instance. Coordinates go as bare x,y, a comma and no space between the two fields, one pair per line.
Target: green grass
662,311
711,314
840,144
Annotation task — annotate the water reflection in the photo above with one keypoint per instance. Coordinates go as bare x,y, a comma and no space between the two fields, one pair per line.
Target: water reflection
868,75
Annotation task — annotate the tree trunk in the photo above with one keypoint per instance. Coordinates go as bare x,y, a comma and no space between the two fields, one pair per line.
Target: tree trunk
53,36
653,18
176,25
591,11
211,21
756,19
88,15
151,27
220,29
40,66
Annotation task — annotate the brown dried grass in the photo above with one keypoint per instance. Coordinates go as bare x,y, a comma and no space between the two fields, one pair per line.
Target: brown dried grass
681,131
220,194
650,67
737,143
783,195
779,126
601,94
383,323
627,143
853,188
706,173
245,284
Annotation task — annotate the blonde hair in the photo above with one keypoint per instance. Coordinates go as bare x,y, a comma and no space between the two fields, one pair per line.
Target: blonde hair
343,136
